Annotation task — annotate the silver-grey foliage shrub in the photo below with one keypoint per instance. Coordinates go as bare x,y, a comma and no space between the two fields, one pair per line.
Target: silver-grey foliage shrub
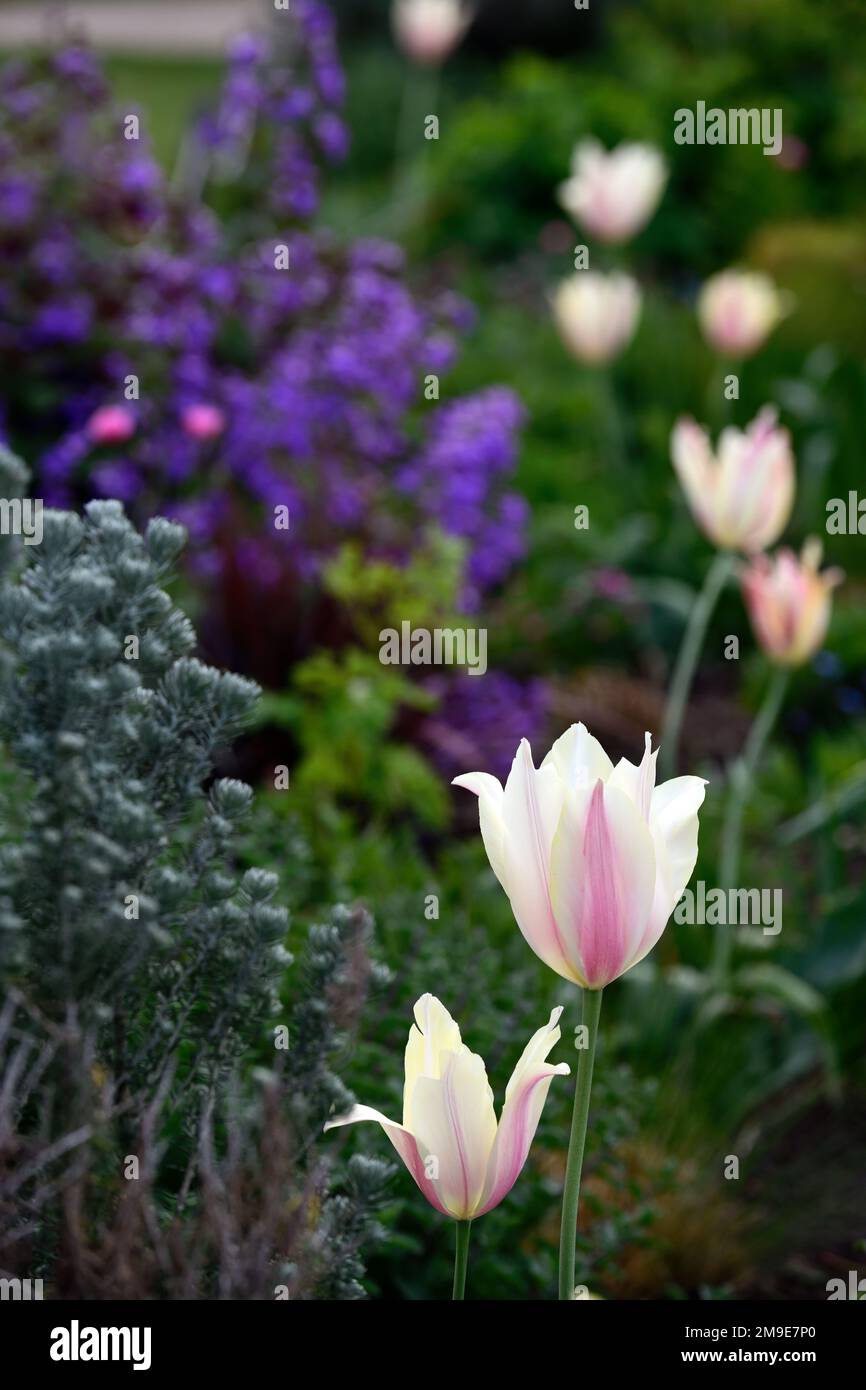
141,969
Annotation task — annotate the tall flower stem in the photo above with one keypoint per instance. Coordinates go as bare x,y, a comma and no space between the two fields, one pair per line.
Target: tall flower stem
684,671
613,441
420,93
461,1259
742,776
590,1010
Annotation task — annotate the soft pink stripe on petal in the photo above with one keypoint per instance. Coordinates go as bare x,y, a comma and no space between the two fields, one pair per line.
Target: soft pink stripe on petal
524,1101
620,872
516,1132
602,936
455,1123
405,1144
568,880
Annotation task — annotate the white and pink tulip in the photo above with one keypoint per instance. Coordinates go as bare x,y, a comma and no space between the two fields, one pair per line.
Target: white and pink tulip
463,1161
593,857
613,193
742,495
597,314
429,30
738,310
789,603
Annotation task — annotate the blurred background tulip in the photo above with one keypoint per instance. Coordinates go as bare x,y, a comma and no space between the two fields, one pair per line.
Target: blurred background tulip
789,602
429,30
597,314
613,194
738,310
741,496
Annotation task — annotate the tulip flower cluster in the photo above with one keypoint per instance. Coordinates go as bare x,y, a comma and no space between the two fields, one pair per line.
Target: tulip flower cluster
612,194
742,497
593,858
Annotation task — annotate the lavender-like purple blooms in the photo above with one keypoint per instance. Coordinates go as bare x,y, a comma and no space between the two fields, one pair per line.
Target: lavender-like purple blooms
480,717
316,374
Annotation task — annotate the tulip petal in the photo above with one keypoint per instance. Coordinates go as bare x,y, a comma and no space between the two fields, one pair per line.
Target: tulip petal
638,783
674,829
602,882
455,1125
694,465
490,793
579,758
405,1144
524,1101
674,821
531,808
432,1037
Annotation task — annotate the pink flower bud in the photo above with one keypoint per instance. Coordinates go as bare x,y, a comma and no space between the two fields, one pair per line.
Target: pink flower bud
203,421
111,424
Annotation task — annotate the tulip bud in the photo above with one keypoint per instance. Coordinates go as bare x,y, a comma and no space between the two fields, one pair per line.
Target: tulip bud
594,858
596,314
461,1159
742,496
428,30
111,424
613,194
789,603
738,310
203,421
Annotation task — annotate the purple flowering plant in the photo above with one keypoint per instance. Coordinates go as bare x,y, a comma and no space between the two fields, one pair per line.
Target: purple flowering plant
202,348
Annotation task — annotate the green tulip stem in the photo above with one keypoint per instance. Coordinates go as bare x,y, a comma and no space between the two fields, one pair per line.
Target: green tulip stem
461,1259
689,654
590,1010
741,778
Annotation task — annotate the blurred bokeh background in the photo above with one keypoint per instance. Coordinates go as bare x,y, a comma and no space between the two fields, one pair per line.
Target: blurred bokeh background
146,258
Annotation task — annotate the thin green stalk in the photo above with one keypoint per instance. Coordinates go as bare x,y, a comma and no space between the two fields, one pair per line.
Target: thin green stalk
718,404
687,659
590,1010
420,92
461,1259
613,442
742,776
